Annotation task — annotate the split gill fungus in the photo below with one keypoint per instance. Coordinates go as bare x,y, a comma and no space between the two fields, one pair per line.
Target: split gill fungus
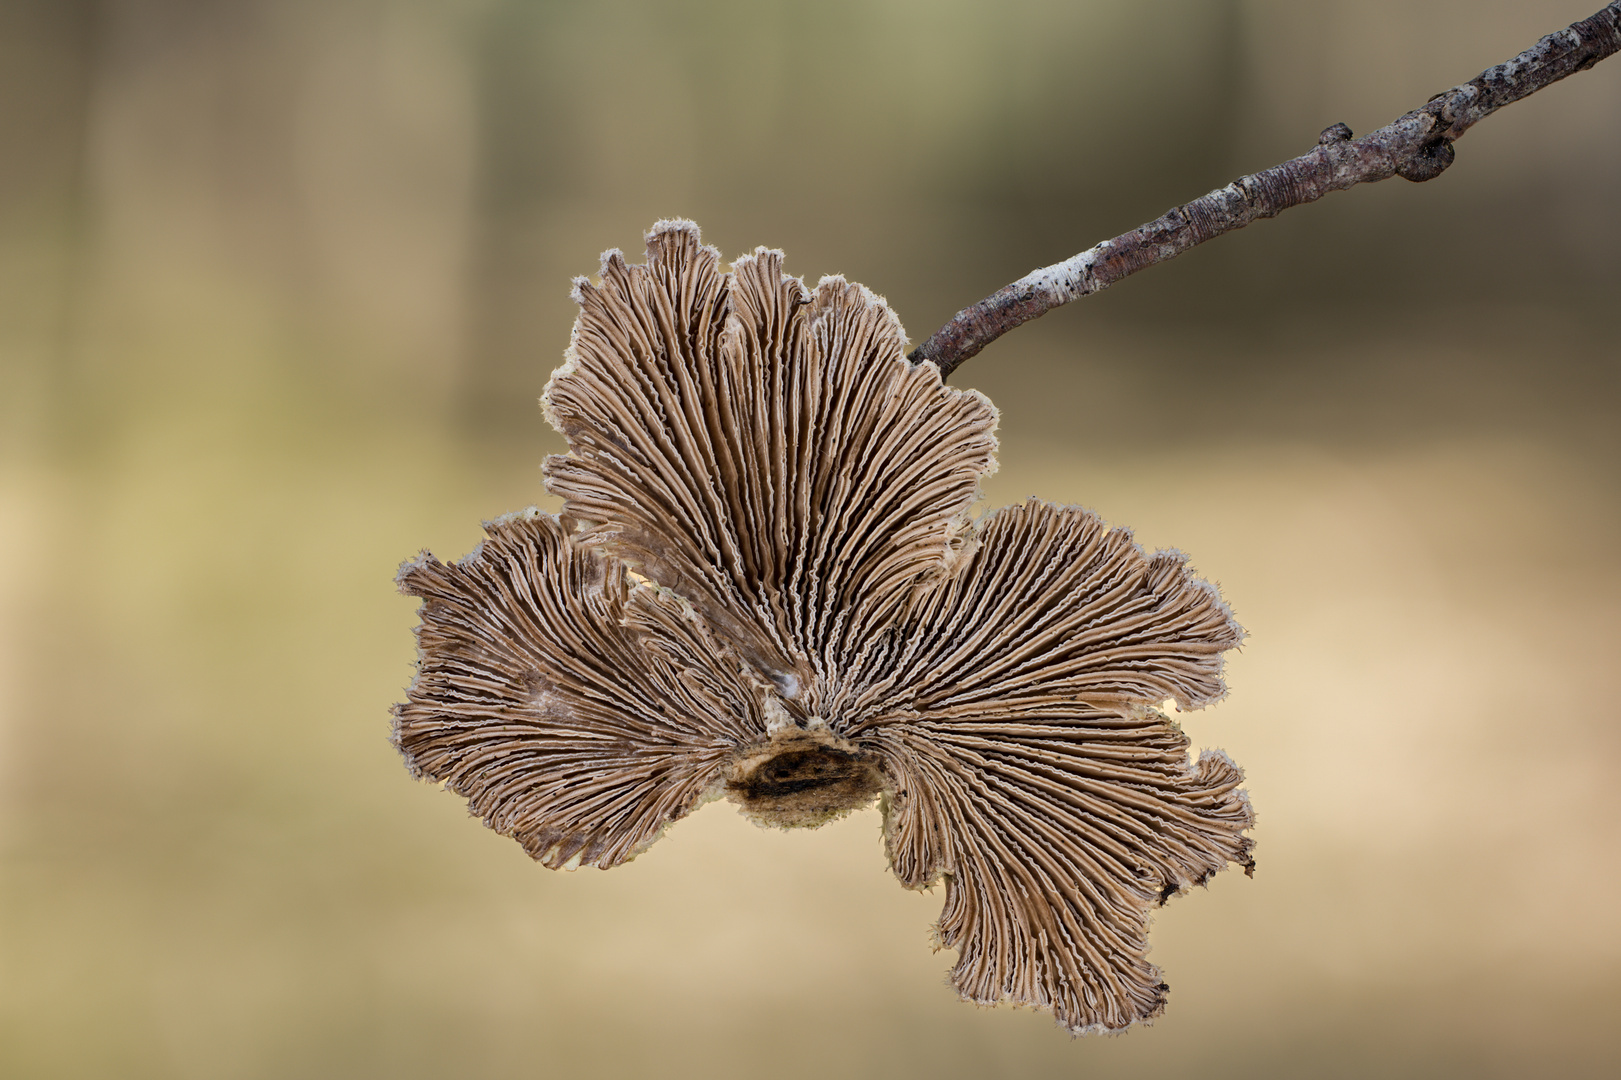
765,586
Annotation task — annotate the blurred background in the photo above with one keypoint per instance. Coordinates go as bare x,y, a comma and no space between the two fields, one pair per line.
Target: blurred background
281,282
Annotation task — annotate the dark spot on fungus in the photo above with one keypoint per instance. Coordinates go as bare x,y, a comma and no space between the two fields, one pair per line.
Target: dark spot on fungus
806,786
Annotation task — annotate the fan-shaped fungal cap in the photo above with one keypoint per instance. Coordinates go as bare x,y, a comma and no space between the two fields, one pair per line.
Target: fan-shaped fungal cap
765,587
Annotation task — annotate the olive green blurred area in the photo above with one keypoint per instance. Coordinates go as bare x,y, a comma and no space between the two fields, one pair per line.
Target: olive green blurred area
281,282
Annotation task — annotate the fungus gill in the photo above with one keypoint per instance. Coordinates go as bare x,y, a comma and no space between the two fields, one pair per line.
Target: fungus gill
764,586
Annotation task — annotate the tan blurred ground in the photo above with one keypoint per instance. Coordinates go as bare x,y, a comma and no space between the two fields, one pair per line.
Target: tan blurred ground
280,282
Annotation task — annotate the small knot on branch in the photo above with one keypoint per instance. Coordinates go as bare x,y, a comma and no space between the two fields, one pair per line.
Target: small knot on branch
1431,161
1334,133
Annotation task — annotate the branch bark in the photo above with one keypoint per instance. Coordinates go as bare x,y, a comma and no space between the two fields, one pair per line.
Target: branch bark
1418,147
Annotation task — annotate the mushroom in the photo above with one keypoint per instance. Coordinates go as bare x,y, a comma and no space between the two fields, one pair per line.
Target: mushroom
765,586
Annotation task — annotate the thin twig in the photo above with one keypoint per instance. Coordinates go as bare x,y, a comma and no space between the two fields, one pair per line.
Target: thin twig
1418,147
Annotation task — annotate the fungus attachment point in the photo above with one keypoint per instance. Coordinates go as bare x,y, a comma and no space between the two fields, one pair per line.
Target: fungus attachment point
804,780
765,586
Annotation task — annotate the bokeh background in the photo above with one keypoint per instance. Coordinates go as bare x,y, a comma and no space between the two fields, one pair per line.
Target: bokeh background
281,281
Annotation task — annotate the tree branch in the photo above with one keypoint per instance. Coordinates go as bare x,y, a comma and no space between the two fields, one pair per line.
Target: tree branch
1418,146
